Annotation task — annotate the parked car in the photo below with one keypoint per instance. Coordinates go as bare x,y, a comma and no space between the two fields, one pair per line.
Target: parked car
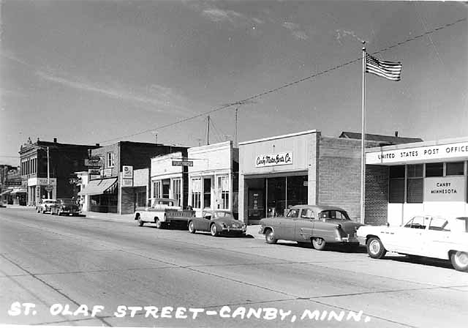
217,222
45,205
163,212
423,235
65,206
306,224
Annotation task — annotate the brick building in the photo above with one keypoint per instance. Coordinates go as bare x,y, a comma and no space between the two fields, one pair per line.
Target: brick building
121,182
308,168
48,169
10,185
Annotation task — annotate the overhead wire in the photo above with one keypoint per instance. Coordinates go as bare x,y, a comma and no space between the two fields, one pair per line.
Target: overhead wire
287,85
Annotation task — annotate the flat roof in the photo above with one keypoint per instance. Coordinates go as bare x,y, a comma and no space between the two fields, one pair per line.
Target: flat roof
418,144
278,137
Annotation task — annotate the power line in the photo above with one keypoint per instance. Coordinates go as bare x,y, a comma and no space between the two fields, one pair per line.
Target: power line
287,85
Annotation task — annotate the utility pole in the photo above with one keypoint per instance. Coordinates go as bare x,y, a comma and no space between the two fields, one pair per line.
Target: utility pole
208,132
48,173
235,132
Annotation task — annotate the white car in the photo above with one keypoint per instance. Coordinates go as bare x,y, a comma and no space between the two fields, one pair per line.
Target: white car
45,205
424,235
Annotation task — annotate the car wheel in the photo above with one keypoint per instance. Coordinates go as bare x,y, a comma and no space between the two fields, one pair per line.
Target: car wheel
158,223
459,261
375,248
214,230
318,243
140,222
270,237
191,227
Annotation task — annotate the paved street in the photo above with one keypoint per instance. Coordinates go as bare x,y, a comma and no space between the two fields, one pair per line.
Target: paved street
61,269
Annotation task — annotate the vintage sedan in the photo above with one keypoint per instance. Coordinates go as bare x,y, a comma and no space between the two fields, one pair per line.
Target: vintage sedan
45,205
217,222
312,224
422,236
65,206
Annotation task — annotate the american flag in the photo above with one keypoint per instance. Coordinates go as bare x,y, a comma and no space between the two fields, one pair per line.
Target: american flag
386,69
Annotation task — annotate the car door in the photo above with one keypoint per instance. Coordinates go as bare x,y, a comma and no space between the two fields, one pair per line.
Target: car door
436,239
288,224
304,225
408,239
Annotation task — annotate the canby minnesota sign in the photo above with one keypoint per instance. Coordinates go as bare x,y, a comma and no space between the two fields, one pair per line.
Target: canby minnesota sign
444,189
274,159
437,152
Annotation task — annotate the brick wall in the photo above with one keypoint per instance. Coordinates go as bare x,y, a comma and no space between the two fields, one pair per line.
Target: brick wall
339,181
376,194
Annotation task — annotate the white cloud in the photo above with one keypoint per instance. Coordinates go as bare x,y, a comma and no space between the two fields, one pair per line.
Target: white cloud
215,14
160,98
296,31
343,33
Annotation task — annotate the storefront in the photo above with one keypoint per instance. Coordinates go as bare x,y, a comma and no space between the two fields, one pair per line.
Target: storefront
410,179
169,177
100,195
40,188
134,189
213,177
276,173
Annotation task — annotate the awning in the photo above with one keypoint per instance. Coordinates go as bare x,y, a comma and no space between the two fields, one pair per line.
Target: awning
97,187
18,191
6,192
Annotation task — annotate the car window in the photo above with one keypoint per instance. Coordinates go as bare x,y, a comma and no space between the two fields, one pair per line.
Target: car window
293,213
307,213
334,215
439,224
418,222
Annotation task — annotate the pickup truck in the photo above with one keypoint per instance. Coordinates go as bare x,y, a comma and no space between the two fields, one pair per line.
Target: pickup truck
163,212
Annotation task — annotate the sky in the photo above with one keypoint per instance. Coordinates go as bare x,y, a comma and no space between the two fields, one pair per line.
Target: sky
88,72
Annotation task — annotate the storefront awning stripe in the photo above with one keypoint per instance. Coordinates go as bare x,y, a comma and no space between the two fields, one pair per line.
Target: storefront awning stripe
19,191
5,192
97,187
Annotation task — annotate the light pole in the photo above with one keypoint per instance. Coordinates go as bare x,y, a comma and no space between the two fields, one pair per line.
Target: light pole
48,174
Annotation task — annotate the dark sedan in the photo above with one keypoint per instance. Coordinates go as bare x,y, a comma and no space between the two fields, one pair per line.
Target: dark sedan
65,206
217,222
310,224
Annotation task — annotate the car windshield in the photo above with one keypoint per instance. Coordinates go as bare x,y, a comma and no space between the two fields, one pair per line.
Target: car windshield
334,215
66,201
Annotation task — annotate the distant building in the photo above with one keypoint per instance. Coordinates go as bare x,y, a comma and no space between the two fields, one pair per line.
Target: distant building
10,185
48,169
119,176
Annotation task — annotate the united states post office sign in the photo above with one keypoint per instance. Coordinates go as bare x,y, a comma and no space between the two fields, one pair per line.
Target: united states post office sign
274,159
445,189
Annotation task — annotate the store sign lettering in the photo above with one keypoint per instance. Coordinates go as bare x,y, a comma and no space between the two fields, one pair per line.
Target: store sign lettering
422,153
274,159
444,189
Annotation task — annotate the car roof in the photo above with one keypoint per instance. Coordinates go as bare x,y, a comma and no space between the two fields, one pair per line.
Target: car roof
319,208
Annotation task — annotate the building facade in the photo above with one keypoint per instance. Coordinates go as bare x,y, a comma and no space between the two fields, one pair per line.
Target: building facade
303,168
48,169
213,177
119,176
424,177
11,191
169,177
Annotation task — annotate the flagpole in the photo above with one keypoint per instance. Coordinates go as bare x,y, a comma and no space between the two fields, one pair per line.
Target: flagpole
363,134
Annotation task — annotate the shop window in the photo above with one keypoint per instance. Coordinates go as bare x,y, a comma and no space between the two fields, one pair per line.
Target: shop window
397,184
177,190
415,184
157,189
196,193
297,190
223,190
276,196
434,169
455,168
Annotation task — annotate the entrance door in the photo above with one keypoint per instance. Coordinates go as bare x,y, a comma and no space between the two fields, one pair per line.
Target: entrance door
207,187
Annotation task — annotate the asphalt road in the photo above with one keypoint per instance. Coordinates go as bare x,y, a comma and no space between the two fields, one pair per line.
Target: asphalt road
92,272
